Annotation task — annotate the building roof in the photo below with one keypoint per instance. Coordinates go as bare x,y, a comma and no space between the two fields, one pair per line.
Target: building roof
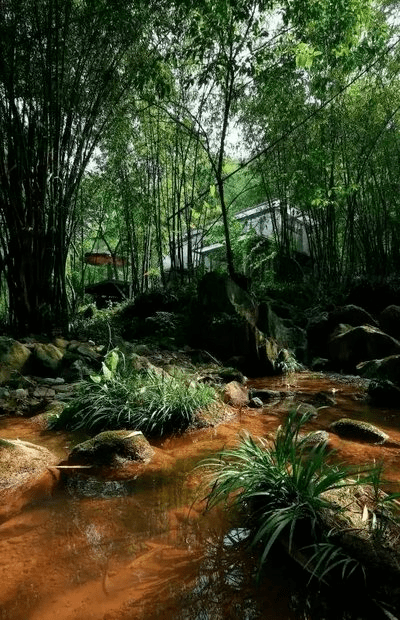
210,248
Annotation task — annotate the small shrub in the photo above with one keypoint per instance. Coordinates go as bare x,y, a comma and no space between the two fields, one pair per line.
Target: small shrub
154,403
98,325
281,491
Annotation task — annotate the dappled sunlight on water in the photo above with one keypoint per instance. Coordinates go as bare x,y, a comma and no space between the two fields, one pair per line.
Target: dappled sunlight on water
146,548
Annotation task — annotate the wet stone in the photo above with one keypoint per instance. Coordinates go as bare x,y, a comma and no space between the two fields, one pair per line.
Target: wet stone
19,394
43,393
112,448
256,403
315,438
307,409
323,399
359,431
266,395
50,380
66,388
236,394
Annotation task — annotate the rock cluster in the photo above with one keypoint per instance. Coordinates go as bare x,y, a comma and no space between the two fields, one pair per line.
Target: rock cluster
350,340
32,373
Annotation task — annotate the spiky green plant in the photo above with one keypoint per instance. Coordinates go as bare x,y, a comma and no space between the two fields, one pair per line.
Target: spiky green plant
120,397
280,488
326,557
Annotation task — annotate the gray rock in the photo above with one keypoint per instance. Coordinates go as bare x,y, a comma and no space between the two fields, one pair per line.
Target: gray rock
236,394
43,393
112,448
360,344
21,461
359,431
50,380
389,321
256,403
315,438
66,388
307,409
13,358
88,351
323,399
266,395
351,315
20,394
387,368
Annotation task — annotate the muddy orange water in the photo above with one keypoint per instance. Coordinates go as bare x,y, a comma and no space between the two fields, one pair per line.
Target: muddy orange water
146,548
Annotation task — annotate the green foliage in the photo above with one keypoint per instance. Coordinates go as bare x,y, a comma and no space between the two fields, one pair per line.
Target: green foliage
150,401
101,326
327,557
281,489
48,51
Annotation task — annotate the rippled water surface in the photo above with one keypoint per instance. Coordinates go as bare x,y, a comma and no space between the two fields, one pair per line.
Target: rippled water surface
146,548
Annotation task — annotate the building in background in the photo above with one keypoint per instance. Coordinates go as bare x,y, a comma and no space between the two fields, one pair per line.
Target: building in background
267,220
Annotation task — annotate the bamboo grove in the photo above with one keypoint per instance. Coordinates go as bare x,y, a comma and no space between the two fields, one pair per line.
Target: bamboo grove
133,128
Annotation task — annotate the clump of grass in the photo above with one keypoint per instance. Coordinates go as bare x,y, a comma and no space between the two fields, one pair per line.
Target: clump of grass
121,397
281,491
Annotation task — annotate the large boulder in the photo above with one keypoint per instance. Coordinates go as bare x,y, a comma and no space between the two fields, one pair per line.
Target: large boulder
21,461
213,295
389,321
322,325
27,474
359,431
359,344
111,448
351,315
276,322
13,358
45,360
387,368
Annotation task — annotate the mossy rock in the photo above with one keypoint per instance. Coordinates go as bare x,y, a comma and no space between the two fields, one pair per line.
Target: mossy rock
314,438
5,444
52,411
306,409
45,360
13,358
359,431
112,448
21,461
266,395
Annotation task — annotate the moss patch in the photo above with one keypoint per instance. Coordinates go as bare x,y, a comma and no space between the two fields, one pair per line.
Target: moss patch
360,431
111,447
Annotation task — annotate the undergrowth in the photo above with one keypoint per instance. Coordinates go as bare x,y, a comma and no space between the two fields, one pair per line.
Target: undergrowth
281,491
151,401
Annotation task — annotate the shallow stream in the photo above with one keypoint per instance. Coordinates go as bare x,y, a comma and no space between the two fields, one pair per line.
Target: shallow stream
147,549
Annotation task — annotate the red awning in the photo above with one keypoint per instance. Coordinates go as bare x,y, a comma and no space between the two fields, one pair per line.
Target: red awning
104,258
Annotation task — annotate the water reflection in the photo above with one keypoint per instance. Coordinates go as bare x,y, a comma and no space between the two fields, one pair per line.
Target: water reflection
80,486
145,550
